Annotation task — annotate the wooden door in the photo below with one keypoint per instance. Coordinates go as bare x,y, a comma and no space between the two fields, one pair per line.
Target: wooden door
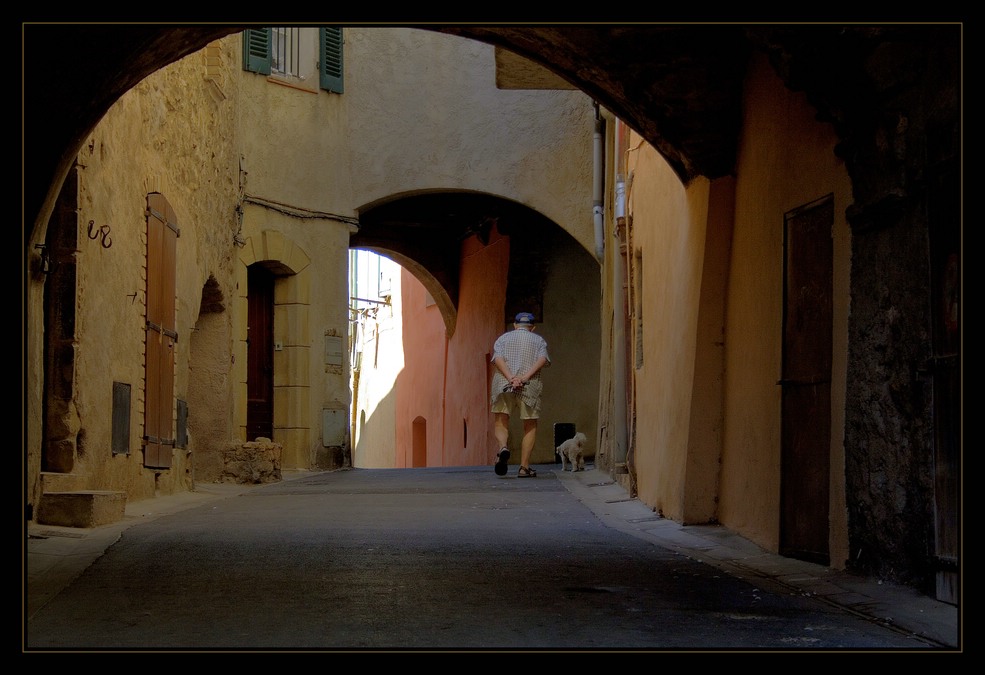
160,332
806,381
260,354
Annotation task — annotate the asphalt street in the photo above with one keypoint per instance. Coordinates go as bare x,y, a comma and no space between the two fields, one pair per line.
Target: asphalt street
445,559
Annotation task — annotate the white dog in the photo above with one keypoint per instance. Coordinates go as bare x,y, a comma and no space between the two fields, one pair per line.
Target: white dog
572,453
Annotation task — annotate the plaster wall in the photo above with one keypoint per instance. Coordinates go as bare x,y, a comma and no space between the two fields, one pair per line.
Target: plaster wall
419,385
379,328
382,361
704,454
468,437
210,394
379,357
787,159
573,334
430,117
666,252
445,382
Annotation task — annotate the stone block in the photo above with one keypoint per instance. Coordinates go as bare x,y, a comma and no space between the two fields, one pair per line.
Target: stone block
256,461
81,508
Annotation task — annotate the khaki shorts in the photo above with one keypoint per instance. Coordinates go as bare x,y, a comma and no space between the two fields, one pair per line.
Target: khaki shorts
508,403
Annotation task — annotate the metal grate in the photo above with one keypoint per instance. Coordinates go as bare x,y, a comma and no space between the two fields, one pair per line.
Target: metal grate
121,418
181,434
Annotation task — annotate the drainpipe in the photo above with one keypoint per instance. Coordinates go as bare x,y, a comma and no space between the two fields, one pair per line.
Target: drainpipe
598,185
619,386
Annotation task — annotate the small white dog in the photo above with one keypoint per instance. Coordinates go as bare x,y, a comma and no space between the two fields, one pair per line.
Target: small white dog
572,453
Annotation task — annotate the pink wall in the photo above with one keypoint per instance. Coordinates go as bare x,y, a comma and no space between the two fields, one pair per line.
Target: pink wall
445,381
418,386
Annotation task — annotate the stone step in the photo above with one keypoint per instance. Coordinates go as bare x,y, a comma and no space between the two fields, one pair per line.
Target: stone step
81,508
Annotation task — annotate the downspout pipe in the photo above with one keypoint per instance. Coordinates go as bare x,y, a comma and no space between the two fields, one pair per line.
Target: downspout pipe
620,206
598,184
620,365
619,383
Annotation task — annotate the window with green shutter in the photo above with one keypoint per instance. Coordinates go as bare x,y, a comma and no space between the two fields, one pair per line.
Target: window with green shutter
330,59
256,50
259,56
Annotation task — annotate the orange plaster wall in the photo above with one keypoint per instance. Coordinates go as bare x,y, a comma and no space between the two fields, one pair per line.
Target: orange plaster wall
448,386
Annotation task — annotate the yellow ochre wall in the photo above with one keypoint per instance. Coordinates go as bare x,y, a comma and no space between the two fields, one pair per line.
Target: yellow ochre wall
712,263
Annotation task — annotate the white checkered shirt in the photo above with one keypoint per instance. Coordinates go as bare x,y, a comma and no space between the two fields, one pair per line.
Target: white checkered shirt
520,348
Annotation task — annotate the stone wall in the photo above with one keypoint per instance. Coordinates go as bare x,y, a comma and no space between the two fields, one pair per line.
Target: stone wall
252,462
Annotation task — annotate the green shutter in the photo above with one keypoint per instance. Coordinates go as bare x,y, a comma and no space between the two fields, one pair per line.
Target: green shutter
330,63
256,50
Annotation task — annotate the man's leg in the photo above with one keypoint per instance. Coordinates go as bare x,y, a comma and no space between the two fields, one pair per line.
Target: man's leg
501,429
527,444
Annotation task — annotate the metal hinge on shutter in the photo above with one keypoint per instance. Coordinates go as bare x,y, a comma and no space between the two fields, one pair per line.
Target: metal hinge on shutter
160,216
164,331
154,440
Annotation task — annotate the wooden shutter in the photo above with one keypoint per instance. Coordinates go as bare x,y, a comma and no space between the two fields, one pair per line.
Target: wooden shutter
330,59
256,50
160,333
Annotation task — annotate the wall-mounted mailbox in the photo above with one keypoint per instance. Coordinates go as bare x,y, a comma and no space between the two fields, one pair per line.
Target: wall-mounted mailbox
333,350
333,427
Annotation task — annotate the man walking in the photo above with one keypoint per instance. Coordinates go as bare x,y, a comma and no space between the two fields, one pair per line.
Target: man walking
519,355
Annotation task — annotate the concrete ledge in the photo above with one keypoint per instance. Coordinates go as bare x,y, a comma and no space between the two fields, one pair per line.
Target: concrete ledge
81,508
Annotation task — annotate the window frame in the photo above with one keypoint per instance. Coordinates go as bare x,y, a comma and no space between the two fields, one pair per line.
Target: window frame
258,56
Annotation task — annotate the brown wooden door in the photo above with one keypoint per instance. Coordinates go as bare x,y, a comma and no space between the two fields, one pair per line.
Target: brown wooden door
160,332
806,381
260,354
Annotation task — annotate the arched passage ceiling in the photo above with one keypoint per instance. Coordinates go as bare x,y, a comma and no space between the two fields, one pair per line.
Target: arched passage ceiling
678,85
626,69
428,229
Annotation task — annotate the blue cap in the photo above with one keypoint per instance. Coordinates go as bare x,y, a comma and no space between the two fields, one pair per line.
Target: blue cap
524,319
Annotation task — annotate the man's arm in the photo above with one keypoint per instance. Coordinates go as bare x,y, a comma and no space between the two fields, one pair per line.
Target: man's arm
533,370
503,368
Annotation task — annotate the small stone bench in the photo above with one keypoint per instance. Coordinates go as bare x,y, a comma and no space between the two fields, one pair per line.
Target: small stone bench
81,508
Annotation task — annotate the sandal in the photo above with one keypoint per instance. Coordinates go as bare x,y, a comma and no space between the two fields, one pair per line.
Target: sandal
502,461
526,472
